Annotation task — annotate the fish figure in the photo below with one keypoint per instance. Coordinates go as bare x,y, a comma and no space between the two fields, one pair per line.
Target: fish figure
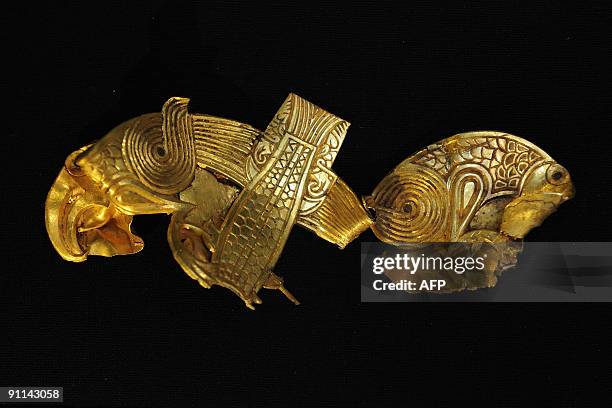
234,192
475,186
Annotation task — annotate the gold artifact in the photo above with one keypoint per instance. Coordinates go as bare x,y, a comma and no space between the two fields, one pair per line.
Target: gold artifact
472,187
235,192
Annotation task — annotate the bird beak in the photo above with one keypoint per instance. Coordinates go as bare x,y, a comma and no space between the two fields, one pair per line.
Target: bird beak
528,211
81,222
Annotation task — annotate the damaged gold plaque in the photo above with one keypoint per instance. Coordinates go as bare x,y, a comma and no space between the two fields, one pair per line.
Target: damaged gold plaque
476,186
487,189
235,192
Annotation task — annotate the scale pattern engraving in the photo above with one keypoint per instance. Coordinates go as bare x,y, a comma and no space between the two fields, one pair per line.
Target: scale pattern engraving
264,214
505,158
434,194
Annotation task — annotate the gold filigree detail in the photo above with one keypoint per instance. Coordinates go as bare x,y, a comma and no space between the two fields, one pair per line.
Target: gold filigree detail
236,192
451,189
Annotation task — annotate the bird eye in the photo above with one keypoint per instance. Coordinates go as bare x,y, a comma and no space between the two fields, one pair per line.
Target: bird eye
72,161
556,174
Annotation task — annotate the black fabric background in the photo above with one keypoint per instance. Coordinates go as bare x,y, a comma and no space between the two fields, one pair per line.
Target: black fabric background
136,331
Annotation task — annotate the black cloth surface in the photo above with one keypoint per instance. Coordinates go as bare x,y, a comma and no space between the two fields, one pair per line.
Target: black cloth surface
136,331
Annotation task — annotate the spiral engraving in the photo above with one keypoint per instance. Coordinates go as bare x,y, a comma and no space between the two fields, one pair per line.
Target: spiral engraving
410,205
159,149
235,193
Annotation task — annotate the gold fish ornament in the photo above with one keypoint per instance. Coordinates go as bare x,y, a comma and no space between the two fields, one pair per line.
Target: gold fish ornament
470,187
235,192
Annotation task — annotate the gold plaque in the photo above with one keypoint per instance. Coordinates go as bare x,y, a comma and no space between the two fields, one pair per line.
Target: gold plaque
236,192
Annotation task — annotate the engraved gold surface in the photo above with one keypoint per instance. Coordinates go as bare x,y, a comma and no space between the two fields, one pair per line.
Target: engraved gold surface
236,192
471,187
485,189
